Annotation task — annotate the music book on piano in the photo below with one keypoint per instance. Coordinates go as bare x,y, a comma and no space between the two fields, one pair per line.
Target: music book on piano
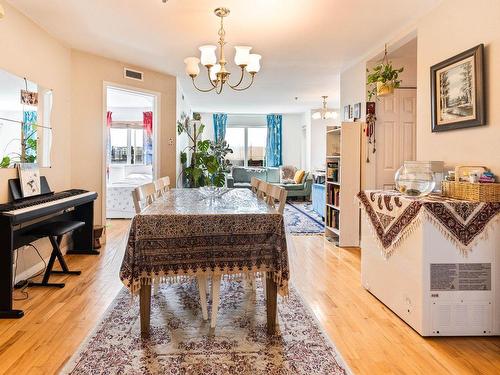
29,177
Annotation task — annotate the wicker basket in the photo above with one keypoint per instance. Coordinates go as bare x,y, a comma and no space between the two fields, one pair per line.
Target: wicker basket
476,192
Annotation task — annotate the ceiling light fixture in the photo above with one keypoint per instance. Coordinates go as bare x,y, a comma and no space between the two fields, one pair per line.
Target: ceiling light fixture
218,76
2,12
324,113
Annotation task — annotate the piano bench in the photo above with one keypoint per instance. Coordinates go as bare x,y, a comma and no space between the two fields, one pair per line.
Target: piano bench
55,232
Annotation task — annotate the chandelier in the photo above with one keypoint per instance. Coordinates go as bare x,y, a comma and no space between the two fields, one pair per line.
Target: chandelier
217,73
324,113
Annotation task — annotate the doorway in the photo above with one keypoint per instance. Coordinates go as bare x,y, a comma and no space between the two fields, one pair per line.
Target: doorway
130,159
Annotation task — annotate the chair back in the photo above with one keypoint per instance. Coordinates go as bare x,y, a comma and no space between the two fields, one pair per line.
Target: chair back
162,185
255,182
262,189
276,197
143,196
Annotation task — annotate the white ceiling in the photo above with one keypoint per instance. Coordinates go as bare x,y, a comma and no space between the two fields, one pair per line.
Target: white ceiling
304,43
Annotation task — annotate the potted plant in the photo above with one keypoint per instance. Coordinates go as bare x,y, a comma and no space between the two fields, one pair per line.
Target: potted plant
207,164
383,79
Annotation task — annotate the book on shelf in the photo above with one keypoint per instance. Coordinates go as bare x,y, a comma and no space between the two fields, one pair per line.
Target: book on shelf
333,195
332,171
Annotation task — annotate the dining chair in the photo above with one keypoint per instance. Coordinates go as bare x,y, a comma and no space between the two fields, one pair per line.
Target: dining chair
275,196
262,189
162,185
255,182
143,196
148,193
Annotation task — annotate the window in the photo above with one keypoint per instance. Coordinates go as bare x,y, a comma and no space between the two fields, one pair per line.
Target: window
127,146
248,145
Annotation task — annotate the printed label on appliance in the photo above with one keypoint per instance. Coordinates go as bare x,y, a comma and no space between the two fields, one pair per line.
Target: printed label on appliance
460,276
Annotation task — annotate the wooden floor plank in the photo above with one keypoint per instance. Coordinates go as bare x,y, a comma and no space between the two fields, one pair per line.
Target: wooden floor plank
369,336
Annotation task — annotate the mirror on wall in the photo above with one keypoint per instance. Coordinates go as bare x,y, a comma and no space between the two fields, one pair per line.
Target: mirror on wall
25,121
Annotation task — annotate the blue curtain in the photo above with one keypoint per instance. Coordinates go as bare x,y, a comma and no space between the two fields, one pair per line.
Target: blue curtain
220,121
274,157
30,119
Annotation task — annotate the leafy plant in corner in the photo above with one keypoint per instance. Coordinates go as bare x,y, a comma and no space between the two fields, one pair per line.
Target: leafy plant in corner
207,163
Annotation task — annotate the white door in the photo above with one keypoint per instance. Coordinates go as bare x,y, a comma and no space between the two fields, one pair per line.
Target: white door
395,134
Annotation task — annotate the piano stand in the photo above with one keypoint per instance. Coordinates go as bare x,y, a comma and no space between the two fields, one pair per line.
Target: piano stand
11,314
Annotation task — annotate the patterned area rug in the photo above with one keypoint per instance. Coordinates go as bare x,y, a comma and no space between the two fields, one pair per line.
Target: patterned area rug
181,342
300,218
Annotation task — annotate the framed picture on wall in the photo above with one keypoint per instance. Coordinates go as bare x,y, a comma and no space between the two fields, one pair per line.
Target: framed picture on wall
356,112
457,91
347,112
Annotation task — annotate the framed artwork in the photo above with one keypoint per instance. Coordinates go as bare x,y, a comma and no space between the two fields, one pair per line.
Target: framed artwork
356,112
347,112
29,97
457,91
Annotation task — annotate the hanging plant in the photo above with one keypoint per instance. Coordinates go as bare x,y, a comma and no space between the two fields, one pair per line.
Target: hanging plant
383,78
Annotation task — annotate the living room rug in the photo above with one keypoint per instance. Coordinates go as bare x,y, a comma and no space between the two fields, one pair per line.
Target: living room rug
300,218
181,342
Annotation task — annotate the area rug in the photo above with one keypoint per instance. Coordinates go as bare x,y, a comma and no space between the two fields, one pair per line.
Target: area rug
300,218
181,342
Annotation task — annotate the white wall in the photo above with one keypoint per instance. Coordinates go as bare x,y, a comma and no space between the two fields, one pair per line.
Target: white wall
451,28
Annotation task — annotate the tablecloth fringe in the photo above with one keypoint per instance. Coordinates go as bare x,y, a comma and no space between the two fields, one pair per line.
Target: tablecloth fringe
227,275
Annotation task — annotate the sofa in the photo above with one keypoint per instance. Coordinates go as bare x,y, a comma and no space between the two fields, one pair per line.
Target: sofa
240,177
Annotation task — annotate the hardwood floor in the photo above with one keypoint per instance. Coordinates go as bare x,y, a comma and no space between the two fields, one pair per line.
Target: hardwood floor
369,336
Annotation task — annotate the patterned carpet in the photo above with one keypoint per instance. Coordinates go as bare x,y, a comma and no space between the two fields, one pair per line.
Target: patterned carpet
181,342
301,219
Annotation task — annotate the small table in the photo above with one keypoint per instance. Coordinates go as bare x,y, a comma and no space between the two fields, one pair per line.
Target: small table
186,233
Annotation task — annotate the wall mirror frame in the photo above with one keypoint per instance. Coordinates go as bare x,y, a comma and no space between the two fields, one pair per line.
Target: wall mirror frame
25,121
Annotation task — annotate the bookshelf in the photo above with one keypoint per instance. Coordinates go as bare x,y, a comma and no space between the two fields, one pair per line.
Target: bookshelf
343,156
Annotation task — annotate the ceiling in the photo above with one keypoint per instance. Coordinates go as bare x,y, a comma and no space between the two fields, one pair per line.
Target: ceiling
304,43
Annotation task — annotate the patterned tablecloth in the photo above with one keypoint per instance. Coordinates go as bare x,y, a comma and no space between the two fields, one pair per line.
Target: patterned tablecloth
393,216
185,233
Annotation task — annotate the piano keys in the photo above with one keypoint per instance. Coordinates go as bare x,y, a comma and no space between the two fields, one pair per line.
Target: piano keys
22,215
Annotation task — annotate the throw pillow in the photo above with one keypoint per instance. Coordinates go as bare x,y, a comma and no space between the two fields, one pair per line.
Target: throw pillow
299,176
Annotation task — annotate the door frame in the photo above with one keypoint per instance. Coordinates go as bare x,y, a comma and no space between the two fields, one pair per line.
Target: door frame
156,116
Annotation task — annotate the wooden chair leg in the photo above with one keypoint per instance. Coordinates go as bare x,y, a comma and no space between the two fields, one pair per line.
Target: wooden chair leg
202,288
145,308
216,280
271,304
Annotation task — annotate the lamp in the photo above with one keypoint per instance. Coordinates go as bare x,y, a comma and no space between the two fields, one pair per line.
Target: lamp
216,66
324,113
2,12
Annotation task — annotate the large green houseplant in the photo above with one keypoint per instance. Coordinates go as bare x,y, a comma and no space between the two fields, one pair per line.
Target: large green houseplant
203,161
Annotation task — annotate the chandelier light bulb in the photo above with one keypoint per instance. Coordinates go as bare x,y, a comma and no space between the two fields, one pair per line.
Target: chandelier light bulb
213,72
242,54
2,12
192,67
253,63
208,57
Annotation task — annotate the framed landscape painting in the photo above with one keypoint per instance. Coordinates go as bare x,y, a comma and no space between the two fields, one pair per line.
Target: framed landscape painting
457,91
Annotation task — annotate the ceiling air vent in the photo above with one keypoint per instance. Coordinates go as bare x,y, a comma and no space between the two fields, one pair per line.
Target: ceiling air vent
133,74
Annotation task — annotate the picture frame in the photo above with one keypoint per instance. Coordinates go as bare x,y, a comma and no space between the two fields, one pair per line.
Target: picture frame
457,91
347,112
356,112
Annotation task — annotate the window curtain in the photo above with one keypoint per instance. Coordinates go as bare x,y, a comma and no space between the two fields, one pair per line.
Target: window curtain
274,140
30,119
148,137
109,120
220,121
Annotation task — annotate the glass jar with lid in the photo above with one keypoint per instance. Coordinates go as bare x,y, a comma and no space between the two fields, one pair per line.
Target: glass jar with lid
415,178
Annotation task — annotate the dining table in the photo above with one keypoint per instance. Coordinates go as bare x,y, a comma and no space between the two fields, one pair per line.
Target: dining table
191,232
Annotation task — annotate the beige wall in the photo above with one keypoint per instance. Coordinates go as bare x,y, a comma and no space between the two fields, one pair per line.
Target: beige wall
453,27
89,72
28,51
